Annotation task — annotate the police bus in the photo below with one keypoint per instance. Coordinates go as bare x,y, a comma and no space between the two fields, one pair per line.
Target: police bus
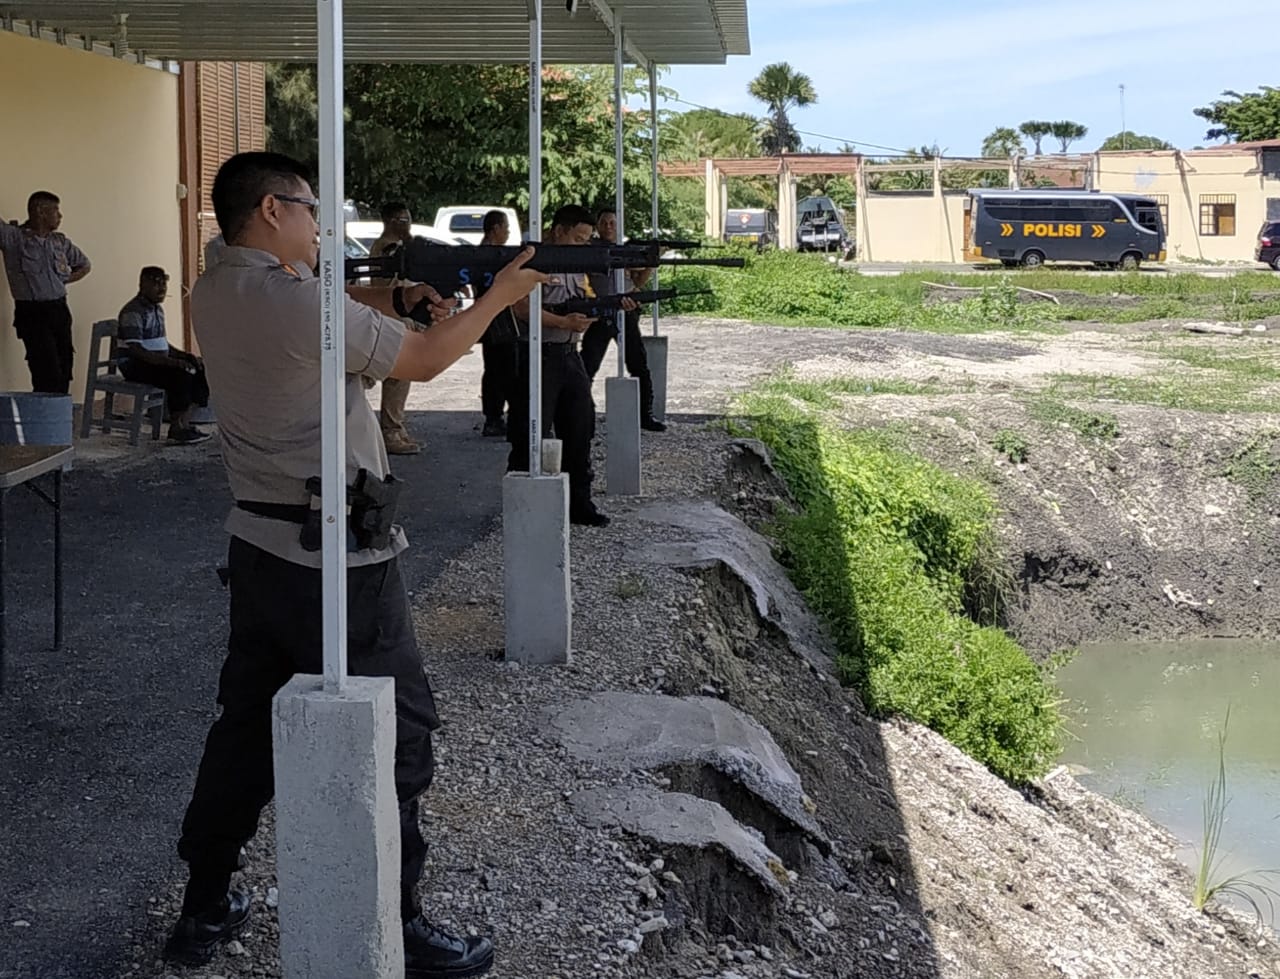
1031,227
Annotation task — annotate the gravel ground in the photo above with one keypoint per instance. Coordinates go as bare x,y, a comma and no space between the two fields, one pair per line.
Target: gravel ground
934,859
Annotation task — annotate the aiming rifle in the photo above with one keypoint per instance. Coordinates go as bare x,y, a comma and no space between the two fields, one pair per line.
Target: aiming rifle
604,305
449,268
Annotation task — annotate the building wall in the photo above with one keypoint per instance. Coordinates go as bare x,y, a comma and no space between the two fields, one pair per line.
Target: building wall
102,135
924,228
1183,182
901,227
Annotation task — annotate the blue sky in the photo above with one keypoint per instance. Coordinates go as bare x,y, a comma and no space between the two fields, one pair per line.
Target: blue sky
913,72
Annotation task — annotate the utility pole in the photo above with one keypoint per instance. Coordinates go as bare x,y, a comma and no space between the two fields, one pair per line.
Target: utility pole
1124,132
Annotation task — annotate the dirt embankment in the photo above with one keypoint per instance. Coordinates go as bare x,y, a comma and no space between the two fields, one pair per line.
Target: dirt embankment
932,868
1121,520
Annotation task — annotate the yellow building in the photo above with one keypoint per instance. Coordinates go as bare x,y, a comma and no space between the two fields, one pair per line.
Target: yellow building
1213,201
102,134
131,147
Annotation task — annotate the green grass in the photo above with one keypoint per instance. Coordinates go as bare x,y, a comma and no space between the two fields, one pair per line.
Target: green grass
1011,445
1206,392
1050,410
1210,883
788,288
899,558
1253,467
821,393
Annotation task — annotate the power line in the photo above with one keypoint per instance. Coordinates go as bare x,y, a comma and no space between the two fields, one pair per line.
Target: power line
802,132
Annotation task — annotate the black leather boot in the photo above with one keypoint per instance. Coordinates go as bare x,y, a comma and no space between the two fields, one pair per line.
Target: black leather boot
196,937
647,421
432,953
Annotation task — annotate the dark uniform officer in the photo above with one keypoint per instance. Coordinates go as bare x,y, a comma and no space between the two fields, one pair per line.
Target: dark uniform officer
500,381
256,314
567,407
40,262
596,340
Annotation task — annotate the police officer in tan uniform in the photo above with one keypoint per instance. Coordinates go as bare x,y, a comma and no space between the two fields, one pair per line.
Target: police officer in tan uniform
256,314
396,225
40,262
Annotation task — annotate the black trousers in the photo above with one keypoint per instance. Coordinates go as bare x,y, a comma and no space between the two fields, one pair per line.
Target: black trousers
181,388
276,631
45,331
568,413
500,379
595,343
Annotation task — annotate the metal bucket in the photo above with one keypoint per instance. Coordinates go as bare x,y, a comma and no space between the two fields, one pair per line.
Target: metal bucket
29,418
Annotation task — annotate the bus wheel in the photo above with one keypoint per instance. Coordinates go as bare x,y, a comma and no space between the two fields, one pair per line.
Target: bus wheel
1275,263
1130,261
1032,260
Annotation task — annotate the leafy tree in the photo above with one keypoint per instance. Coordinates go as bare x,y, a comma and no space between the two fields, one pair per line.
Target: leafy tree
781,88
1067,132
446,134
701,133
1036,130
1244,118
1002,143
1129,140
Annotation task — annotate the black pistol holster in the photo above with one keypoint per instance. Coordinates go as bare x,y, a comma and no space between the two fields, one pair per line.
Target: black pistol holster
371,512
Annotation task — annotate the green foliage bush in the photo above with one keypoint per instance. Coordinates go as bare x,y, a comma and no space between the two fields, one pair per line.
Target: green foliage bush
885,547
790,288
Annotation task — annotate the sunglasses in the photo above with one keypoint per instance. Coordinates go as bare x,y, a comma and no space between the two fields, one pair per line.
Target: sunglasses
310,202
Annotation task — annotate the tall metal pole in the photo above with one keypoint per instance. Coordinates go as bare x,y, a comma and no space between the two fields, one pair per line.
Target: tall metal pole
653,175
1124,129
333,375
619,276
535,234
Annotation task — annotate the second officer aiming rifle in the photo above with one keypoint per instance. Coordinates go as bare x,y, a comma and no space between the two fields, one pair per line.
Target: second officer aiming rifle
604,305
449,268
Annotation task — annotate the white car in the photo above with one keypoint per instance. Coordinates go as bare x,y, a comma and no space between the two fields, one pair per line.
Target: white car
467,222
367,232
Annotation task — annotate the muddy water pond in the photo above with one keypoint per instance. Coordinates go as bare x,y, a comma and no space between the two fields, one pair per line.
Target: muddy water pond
1143,726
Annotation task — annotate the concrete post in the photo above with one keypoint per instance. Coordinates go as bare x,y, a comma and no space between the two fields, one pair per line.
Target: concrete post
337,829
655,351
622,407
711,200
535,552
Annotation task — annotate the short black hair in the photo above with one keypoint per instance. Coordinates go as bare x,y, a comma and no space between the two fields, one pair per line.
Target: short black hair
603,211
41,197
493,219
152,272
244,179
570,216
391,209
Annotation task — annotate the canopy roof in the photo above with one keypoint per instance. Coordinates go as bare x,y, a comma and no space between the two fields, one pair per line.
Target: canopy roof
449,32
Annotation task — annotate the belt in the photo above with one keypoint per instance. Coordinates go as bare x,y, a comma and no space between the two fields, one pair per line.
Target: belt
292,512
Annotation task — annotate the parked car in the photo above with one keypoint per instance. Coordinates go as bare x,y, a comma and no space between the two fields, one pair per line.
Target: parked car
467,222
1268,250
367,232
751,224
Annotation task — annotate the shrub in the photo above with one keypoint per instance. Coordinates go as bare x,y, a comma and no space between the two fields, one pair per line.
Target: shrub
886,547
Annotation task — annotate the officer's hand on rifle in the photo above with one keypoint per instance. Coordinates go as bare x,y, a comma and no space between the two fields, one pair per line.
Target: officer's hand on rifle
628,304
439,307
515,281
577,322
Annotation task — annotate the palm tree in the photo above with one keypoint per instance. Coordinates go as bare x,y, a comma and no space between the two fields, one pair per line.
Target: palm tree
1067,132
781,88
1035,129
1002,143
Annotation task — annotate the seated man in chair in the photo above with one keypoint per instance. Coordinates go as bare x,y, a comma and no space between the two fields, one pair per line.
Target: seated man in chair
145,357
